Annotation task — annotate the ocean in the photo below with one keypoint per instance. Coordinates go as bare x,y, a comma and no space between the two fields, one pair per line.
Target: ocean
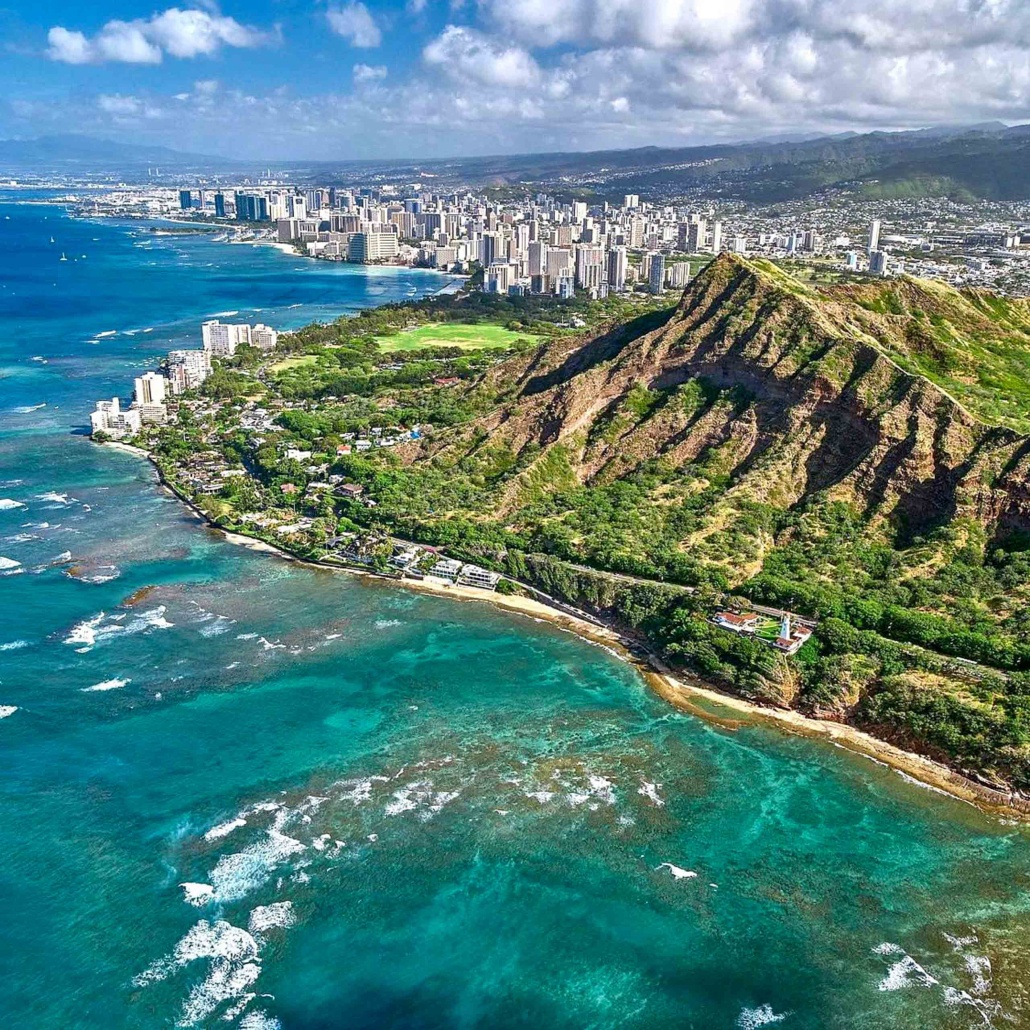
238,792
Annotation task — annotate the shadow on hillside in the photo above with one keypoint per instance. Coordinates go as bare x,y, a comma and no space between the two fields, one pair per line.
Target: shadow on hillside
595,352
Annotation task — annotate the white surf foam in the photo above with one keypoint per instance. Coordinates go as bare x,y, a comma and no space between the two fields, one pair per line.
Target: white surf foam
14,645
235,876
27,409
9,563
906,972
224,829
197,894
9,504
7,710
678,873
752,1019
85,632
268,917
113,684
56,498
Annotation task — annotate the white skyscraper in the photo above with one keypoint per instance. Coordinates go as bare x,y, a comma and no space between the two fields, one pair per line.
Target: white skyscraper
716,237
874,236
150,388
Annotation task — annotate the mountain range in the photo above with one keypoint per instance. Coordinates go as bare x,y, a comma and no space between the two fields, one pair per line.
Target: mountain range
989,161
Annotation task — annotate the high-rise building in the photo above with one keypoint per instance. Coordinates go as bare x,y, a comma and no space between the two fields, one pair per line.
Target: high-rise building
263,337
874,236
219,204
589,267
251,207
579,210
878,262
366,247
716,237
617,265
697,236
187,369
150,388
109,417
498,277
631,200
537,257
222,338
185,200
656,273
679,275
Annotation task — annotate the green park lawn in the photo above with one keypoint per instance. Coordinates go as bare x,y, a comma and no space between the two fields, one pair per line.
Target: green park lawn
444,334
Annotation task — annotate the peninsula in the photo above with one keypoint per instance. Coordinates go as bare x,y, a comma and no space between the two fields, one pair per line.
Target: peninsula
802,494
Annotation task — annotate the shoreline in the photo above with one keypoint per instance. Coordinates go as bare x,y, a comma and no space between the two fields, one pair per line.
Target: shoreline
676,689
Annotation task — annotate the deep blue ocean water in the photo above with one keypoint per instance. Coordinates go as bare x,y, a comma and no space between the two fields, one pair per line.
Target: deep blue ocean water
388,809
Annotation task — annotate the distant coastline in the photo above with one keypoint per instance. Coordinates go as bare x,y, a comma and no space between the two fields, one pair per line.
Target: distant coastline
684,692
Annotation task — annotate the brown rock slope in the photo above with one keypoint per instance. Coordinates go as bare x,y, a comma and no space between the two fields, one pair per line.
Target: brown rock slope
785,389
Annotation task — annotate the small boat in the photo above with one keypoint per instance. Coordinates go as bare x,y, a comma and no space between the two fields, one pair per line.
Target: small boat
63,258
52,240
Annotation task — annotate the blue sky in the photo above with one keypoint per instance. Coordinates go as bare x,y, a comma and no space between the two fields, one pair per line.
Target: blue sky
282,79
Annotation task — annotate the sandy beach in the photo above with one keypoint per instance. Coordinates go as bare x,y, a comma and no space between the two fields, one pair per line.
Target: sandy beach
678,689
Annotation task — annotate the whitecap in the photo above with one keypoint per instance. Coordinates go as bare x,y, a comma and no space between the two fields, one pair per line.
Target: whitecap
678,873
906,972
197,894
258,1020
267,917
246,636
387,623
751,1019
112,684
420,796
56,498
224,829
14,645
9,563
6,710
235,876
9,504
85,632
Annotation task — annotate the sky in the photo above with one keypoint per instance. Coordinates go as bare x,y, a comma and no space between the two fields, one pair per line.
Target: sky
350,79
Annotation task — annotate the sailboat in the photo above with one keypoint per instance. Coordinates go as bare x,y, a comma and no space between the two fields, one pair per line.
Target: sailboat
63,257
52,240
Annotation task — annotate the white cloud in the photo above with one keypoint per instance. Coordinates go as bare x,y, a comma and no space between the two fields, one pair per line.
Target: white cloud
355,24
464,54
177,32
369,72
655,24
416,6
118,104
69,47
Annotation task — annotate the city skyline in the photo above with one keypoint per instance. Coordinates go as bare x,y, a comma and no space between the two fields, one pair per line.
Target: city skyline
295,79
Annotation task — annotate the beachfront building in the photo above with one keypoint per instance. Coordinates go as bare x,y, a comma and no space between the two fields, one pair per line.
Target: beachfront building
263,337
114,420
474,576
446,568
221,339
187,369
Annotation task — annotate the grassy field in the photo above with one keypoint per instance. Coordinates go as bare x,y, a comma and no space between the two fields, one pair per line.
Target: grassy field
296,362
468,337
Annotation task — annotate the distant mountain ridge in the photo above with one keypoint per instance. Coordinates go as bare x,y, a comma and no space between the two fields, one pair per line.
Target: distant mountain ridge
68,150
984,161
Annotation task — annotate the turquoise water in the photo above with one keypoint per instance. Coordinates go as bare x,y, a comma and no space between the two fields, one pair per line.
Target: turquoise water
390,809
